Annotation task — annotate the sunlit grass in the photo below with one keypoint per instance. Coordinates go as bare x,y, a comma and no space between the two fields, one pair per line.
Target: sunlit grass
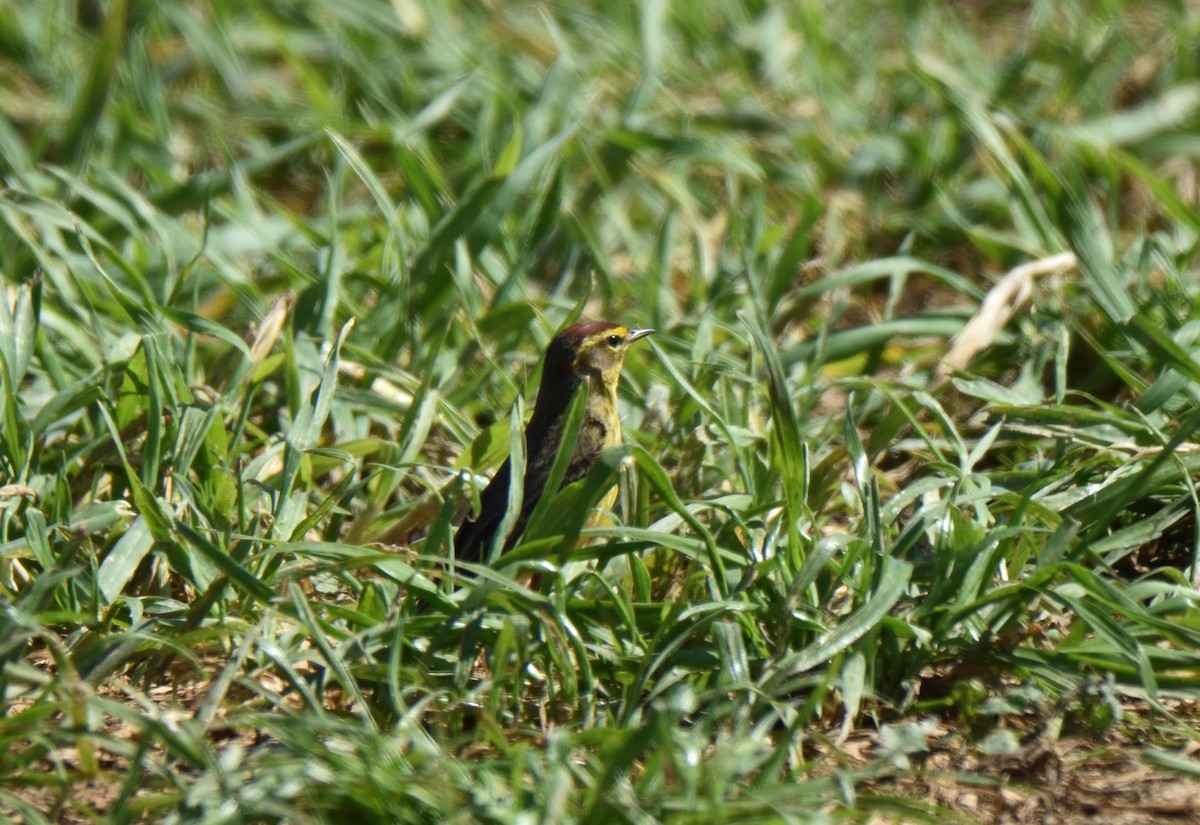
276,277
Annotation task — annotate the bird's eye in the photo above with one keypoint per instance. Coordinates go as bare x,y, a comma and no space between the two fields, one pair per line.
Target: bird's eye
614,341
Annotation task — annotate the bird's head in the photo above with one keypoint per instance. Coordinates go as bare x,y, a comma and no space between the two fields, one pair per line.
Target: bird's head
592,350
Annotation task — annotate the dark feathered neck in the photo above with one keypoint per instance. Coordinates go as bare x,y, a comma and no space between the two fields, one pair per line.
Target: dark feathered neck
559,380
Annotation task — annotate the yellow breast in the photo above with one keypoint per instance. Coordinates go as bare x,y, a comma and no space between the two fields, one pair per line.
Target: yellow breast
602,409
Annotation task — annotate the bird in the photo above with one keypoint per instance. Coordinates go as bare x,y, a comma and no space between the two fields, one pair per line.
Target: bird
587,357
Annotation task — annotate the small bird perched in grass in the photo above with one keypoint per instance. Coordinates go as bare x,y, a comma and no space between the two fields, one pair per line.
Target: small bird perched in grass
584,357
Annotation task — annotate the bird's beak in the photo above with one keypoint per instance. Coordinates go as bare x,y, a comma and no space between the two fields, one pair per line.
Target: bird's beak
635,334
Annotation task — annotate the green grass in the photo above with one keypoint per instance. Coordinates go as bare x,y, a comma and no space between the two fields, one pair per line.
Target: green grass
276,274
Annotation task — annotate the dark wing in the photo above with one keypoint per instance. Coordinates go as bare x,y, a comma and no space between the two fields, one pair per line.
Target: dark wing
475,535
593,436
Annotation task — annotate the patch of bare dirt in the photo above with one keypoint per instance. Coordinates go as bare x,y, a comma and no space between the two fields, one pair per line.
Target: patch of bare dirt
1071,785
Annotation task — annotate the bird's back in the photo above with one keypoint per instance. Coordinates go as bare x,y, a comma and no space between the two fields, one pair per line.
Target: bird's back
542,437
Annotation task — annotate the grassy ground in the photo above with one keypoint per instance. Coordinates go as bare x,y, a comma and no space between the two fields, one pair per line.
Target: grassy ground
277,273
